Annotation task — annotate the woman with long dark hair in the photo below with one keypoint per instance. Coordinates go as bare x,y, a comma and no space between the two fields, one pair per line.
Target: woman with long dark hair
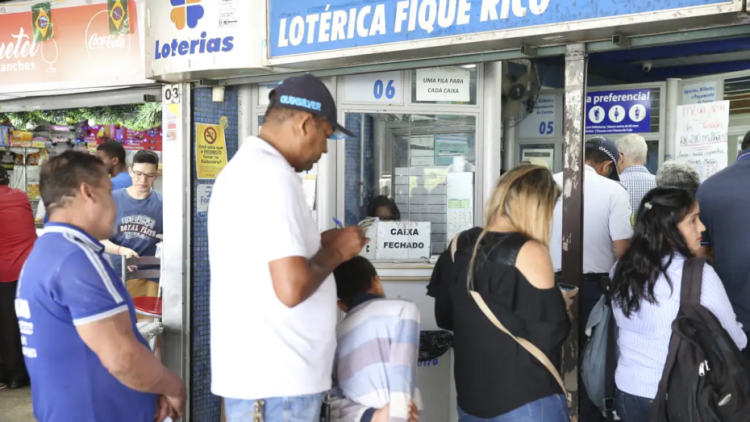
507,262
646,295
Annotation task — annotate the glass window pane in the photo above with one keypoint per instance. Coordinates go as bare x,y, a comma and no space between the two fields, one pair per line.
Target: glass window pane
445,85
399,167
652,157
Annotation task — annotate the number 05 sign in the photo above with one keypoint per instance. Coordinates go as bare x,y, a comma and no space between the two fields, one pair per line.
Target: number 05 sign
378,88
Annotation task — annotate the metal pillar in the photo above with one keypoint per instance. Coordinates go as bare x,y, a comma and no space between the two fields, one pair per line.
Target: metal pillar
493,125
673,100
175,279
246,115
572,227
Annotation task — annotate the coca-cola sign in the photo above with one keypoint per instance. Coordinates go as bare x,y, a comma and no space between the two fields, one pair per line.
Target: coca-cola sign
99,38
82,54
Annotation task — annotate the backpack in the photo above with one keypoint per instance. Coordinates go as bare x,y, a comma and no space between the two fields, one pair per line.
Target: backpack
600,356
706,377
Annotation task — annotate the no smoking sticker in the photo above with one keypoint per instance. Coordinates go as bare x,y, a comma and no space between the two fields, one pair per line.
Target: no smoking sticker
210,135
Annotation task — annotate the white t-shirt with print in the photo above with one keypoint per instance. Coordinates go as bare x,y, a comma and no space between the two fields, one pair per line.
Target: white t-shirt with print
260,348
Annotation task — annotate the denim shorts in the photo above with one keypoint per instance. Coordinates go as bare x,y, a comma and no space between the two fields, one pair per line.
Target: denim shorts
277,409
547,409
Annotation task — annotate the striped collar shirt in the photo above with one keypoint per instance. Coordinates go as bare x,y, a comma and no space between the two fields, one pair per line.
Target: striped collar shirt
376,361
638,181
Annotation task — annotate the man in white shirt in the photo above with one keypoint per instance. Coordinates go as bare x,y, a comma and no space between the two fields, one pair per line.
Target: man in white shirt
634,175
607,231
273,299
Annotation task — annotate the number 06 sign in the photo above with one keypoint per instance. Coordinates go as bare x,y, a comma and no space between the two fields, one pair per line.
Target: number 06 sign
376,88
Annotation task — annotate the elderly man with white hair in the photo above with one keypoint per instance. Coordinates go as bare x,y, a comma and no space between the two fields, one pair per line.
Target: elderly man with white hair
678,174
634,176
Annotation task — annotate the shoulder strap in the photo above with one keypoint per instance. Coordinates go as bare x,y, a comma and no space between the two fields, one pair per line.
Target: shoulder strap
692,281
538,354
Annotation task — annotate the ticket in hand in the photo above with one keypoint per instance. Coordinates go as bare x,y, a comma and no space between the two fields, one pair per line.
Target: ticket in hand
367,222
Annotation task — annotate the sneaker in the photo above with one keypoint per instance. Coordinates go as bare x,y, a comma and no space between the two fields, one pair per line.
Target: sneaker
3,386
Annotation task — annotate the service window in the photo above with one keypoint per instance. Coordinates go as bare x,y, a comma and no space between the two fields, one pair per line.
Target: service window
415,172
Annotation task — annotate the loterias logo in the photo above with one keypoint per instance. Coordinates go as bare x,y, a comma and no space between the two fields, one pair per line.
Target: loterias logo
188,13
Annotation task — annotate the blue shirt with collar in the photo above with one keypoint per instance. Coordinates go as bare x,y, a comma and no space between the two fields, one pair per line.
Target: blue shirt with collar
66,282
724,202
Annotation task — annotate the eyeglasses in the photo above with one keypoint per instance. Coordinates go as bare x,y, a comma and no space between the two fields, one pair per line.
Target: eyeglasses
147,176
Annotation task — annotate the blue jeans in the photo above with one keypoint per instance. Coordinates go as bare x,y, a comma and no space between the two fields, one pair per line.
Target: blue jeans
632,408
548,409
277,409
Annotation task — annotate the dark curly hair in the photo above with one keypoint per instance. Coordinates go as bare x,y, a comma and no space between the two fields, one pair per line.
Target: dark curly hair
656,237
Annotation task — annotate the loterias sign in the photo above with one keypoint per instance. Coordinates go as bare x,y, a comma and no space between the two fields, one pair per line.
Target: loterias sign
315,26
187,14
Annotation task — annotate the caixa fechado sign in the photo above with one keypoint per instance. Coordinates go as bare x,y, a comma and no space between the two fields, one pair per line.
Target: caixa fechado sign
399,240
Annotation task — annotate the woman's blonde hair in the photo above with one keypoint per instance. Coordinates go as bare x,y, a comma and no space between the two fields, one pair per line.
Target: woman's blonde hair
526,195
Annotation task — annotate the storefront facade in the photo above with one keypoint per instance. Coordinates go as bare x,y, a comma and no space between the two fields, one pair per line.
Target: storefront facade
89,69
425,85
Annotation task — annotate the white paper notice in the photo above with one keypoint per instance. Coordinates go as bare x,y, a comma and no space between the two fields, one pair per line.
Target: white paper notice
701,136
541,122
227,14
460,203
444,84
699,93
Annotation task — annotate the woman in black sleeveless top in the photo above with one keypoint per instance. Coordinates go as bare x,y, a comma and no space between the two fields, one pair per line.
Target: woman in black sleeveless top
496,379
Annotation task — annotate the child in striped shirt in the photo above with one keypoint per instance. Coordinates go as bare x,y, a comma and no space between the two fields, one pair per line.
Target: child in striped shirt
374,372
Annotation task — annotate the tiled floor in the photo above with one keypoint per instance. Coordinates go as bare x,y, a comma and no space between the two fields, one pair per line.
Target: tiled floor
15,405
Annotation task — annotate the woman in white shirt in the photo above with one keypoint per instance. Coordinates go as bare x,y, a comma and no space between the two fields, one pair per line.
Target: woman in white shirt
646,296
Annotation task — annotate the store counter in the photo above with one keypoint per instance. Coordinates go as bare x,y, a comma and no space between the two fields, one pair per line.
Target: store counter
408,281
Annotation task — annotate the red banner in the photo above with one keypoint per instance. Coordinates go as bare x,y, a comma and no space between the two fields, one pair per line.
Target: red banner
82,54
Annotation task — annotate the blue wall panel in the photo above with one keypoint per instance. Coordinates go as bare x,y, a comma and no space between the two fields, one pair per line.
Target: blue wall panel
205,407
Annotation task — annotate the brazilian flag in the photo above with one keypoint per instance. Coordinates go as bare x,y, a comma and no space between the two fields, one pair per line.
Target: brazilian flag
41,21
119,19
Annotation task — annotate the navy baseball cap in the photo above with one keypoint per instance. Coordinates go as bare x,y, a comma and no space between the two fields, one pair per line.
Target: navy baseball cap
307,93
609,148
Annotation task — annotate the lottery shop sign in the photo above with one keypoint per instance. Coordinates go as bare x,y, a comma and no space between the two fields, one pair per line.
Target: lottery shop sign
82,54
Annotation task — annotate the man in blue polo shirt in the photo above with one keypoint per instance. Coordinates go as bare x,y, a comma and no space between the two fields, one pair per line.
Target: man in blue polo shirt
724,203
85,356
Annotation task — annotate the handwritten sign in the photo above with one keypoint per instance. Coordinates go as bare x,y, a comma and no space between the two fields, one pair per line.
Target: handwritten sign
701,137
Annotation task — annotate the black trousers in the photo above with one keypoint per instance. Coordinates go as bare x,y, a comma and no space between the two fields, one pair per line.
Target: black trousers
746,351
12,366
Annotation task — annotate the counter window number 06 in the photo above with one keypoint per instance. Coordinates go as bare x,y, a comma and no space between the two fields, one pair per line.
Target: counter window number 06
380,87
546,128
